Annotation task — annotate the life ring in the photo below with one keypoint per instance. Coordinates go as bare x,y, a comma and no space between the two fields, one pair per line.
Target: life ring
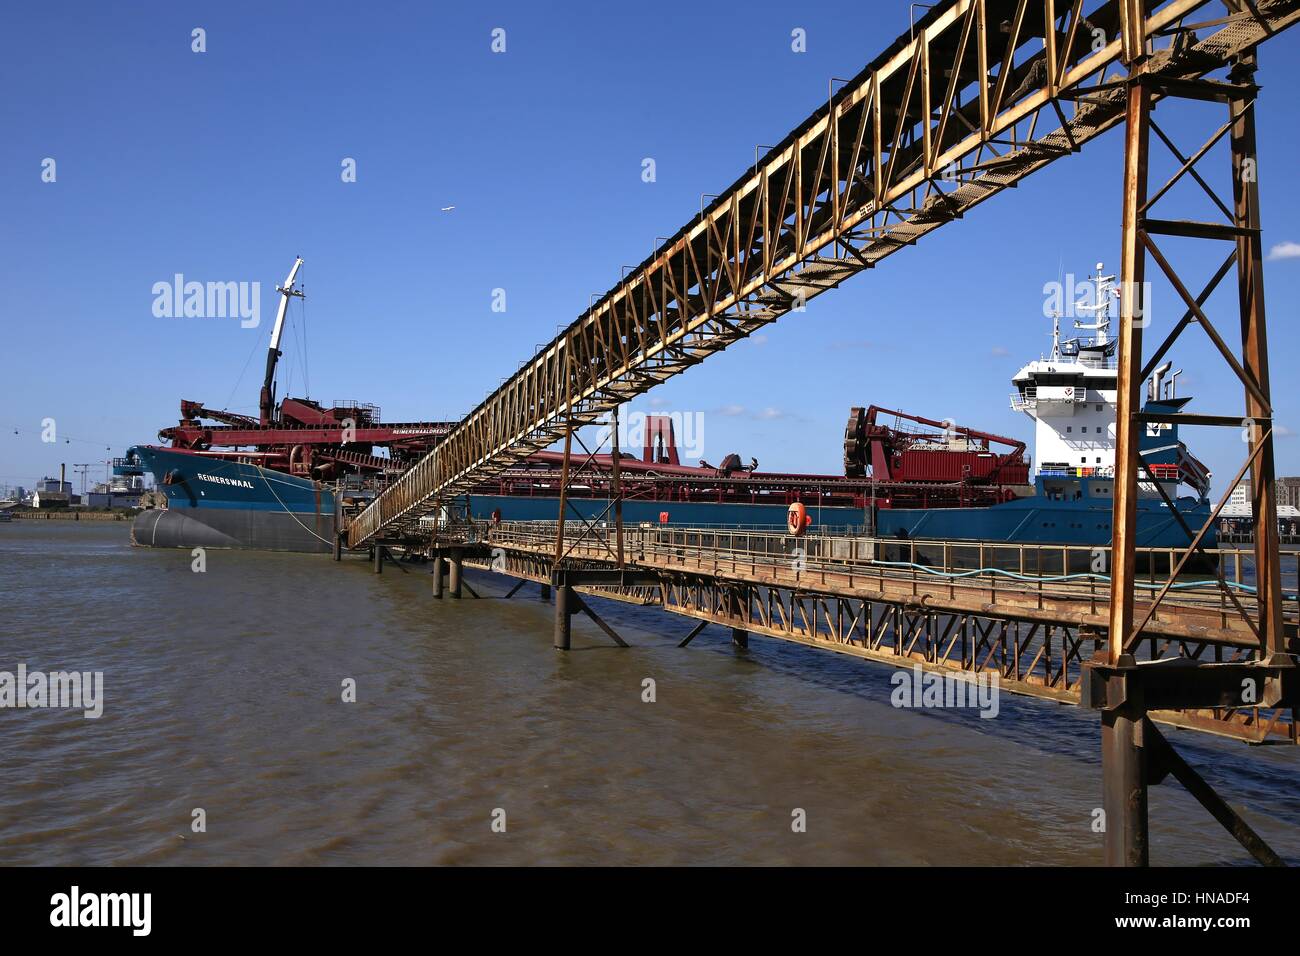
796,519
663,517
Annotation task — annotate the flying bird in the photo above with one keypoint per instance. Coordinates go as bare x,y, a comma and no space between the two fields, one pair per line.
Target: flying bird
448,208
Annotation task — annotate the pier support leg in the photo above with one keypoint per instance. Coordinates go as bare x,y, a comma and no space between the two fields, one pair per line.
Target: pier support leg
439,569
338,546
737,608
378,551
456,568
1135,755
578,604
563,617
694,631
1124,788
545,594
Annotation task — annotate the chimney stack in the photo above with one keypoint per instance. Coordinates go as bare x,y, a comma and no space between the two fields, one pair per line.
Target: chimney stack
63,474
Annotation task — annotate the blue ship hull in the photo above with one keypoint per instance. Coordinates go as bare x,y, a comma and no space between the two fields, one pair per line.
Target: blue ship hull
1036,520
222,504
680,513
213,503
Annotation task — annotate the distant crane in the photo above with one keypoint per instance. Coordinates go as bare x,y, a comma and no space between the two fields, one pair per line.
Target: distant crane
82,468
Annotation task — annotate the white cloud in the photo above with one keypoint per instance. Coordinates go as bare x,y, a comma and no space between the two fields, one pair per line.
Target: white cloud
732,410
1284,250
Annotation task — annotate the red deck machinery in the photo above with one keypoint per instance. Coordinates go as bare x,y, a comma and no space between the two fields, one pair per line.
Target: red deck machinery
949,465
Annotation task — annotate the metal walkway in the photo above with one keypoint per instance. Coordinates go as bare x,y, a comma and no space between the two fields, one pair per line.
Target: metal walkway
1033,614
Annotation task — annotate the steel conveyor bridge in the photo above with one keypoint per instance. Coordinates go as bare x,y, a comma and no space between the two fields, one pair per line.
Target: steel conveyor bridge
979,95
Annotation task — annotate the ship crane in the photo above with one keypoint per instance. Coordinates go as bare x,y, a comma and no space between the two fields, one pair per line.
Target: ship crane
287,291
942,451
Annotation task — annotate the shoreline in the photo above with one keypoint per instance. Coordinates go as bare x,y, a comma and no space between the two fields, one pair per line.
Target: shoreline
72,515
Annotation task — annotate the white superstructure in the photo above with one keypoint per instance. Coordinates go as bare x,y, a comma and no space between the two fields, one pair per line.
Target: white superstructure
1070,393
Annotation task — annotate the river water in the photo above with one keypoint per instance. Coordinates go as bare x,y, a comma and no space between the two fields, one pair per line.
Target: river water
223,692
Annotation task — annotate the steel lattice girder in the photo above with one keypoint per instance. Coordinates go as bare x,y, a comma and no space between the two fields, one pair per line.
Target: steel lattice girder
945,118
1032,655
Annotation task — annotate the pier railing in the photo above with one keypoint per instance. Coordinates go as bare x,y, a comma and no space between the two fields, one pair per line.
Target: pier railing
1034,614
1038,573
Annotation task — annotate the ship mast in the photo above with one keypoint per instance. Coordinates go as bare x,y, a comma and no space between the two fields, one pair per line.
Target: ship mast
1104,286
286,291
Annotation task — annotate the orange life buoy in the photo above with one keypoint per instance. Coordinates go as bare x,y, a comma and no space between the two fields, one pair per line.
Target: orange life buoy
663,517
796,519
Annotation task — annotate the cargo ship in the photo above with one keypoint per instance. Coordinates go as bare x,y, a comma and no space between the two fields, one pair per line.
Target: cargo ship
275,482
1070,395
284,480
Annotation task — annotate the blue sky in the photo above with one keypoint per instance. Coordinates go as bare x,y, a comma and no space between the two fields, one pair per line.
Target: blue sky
224,165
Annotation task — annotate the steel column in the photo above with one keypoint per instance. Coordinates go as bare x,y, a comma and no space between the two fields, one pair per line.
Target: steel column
453,585
1254,346
563,617
1128,396
439,569
1124,783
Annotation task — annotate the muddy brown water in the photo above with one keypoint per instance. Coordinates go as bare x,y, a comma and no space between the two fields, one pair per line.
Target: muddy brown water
223,692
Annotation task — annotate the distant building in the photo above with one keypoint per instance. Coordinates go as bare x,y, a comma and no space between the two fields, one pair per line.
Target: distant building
1286,491
113,499
51,499
54,486
1241,495
1286,497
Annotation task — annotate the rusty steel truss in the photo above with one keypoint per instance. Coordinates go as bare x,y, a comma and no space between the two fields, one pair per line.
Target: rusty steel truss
979,95
1127,690
877,602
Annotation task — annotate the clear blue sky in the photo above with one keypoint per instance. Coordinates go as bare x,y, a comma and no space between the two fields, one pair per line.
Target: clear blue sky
224,165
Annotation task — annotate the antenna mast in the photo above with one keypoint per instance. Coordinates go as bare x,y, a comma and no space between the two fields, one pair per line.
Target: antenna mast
1105,290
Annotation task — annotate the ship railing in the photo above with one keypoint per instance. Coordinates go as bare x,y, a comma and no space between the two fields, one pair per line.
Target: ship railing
1248,538
1102,363
1077,572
